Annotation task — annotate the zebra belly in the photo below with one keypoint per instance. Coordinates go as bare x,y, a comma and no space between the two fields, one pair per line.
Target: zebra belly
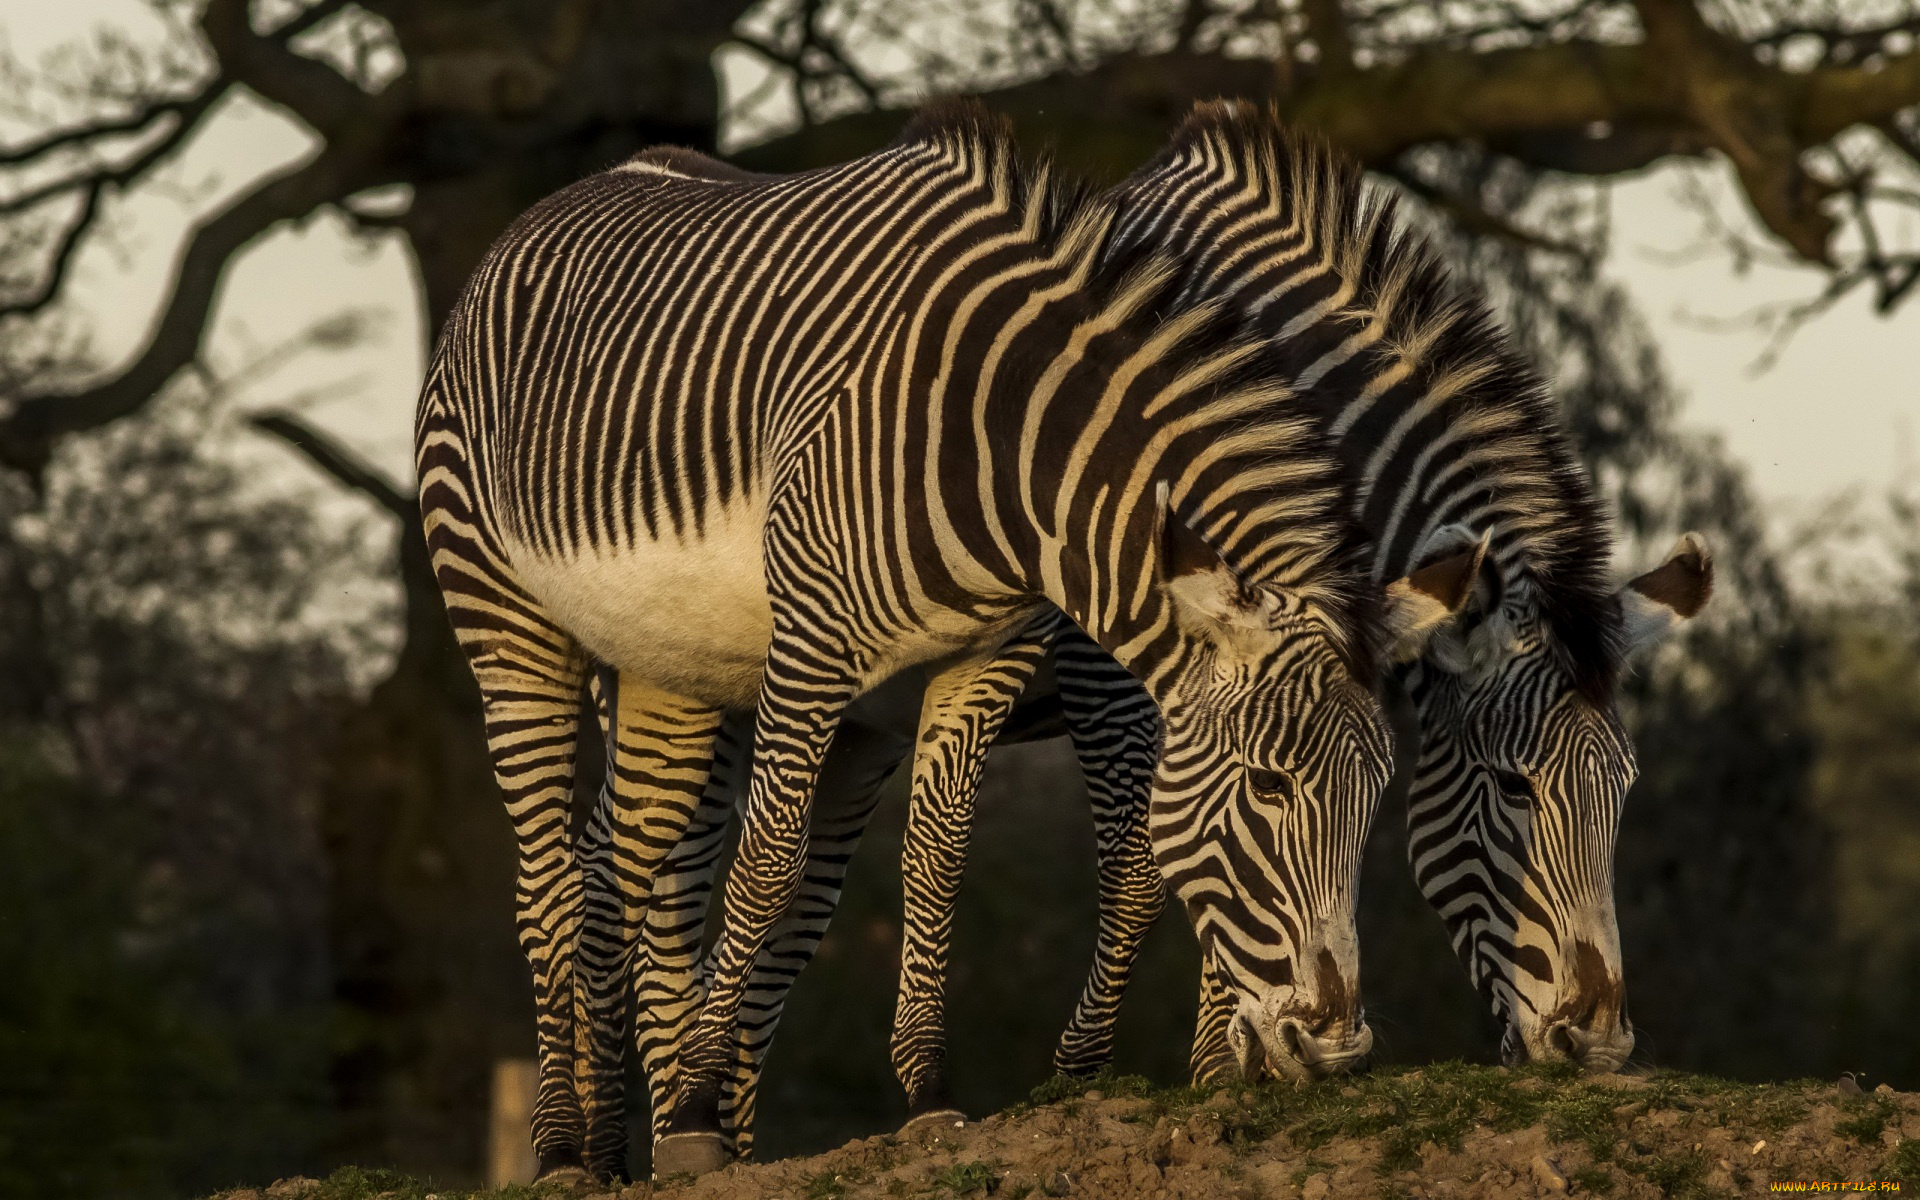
687,616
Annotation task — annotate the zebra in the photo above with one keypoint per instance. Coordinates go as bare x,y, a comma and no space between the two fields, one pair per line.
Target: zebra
1523,765
1453,442
763,444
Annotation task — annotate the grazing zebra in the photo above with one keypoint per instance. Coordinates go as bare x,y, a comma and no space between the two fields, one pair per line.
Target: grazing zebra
1456,458
766,443
1453,442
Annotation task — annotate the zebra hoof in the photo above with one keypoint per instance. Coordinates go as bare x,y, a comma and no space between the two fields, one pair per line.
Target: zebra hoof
569,1175
941,1120
689,1154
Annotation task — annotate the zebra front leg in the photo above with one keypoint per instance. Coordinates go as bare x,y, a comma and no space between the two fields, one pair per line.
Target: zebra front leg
1214,1060
659,750
860,762
531,677
803,693
965,705
1116,735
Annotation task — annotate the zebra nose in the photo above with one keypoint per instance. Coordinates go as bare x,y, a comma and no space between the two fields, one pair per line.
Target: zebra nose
1319,1056
1597,1050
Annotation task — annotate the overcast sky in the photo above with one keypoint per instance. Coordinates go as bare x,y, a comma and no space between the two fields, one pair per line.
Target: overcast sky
1838,410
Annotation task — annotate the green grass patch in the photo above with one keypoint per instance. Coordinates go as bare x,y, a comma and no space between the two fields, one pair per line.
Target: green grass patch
827,1185
1866,1118
1072,1087
962,1178
1679,1175
360,1183
1903,1165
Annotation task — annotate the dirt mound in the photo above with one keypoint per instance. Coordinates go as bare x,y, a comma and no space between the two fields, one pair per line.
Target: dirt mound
1443,1131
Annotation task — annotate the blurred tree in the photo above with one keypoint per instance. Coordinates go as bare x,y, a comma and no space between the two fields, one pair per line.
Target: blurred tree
478,109
174,661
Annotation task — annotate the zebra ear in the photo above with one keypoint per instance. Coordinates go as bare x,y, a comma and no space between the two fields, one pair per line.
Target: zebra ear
1421,603
1655,604
1197,578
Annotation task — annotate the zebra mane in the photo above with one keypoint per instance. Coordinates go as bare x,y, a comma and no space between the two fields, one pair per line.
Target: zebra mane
1289,525
1550,534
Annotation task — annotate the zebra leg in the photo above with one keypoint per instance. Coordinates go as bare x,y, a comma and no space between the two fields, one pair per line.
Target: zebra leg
671,981
531,676
1116,735
860,762
803,693
659,748
965,705
1213,1060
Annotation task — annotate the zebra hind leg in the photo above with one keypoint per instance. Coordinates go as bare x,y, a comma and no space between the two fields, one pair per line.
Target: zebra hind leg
1116,733
659,752
531,678
966,703
670,984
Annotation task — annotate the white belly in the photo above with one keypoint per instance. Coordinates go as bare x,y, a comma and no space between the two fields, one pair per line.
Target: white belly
690,617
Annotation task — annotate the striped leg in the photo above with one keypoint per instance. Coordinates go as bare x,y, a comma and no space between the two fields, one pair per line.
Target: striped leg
803,694
1116,734
531,679
659,747
1213,1058
671,983
965,705
860,762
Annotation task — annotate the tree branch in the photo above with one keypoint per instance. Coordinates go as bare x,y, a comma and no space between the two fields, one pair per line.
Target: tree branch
1575,105
28,432
342,464
94,186
309,18
312,90
1476,219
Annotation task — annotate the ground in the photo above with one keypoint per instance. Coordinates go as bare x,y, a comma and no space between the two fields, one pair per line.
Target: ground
1442,1131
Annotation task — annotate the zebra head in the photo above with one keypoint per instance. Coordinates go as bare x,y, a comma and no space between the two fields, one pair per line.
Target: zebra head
1274,755
1524,764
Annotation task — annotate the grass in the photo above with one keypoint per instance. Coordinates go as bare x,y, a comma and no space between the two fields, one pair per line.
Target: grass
1406,1109
1867,1118
962,1178
1402,1114
359,1183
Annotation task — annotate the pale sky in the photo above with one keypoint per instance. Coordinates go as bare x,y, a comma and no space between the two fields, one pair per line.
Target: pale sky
1837,411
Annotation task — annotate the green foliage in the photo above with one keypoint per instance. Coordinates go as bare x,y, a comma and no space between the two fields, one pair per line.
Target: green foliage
964,1178
1903,1165
1109,1083
1866,1118
827,1185
116,1083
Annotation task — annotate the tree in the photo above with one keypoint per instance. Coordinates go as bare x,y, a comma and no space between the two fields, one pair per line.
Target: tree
481,108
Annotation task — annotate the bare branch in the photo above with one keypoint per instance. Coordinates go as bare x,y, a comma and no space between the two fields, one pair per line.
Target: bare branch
314,91
28,432
1476,219
814,37
342,464
64,249
314,16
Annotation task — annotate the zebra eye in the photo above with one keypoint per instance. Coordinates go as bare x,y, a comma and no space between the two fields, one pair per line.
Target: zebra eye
1513,783
1267,783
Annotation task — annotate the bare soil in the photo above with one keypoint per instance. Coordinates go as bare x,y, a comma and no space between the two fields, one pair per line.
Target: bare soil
1444,1131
